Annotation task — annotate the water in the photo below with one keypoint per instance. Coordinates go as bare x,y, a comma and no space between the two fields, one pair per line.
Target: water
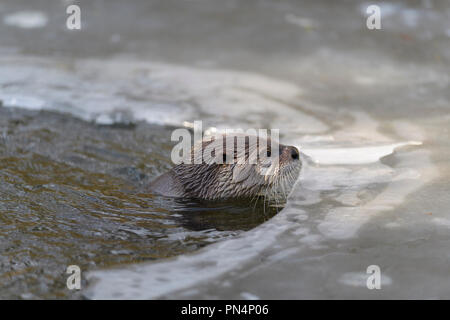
86,123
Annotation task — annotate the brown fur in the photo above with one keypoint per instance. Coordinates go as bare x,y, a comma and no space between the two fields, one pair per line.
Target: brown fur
213,181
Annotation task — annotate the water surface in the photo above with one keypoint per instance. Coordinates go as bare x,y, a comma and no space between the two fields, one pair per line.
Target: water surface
86,123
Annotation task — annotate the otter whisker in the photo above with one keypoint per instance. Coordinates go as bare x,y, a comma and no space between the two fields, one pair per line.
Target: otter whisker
256,198
275,197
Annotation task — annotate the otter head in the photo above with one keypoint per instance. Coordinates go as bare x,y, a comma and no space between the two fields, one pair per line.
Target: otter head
239,166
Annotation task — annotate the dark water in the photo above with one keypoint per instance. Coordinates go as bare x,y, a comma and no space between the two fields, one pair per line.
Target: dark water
73,192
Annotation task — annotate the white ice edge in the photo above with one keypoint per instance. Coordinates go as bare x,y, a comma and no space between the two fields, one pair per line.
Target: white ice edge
354,155
158,93
154,280
26,19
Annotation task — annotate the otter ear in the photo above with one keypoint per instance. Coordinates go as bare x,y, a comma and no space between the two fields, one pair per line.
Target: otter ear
241,172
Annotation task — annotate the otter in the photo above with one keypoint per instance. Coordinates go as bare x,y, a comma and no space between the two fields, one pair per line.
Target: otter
232,172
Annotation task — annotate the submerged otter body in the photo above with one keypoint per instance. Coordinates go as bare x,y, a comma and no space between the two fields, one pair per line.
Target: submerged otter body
239,178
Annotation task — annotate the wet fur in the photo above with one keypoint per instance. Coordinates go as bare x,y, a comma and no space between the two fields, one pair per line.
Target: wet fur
214,181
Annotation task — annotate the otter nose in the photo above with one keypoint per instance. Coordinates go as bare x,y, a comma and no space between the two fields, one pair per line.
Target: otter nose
294,153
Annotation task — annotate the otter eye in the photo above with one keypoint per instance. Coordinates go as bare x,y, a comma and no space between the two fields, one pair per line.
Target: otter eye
269,153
